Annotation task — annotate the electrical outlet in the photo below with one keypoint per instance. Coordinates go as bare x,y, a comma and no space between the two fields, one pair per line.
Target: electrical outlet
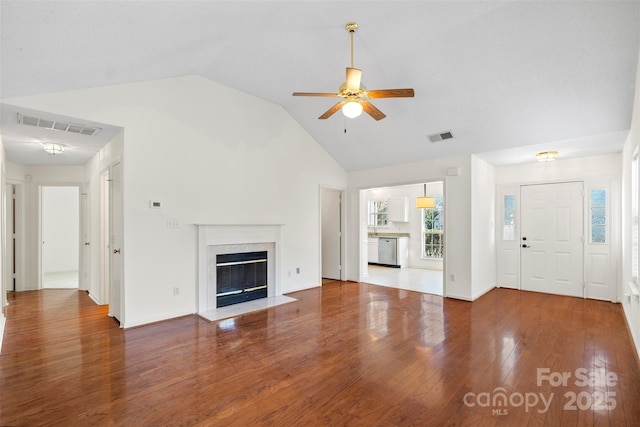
452,277
176,290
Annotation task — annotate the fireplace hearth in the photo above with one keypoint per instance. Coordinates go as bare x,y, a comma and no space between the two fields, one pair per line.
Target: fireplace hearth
240,277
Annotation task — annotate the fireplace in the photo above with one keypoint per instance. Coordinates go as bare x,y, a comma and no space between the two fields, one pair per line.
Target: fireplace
240,277
238,240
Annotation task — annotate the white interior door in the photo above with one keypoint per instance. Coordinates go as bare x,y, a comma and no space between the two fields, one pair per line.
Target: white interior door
331,233
551,238
9,266
116,240
85,263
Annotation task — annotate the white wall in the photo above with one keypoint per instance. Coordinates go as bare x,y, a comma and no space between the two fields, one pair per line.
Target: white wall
457,214
483,249
578,169
631,302
95,270
60,228
211,155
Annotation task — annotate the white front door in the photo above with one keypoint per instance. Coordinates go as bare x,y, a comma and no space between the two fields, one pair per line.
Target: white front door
551,238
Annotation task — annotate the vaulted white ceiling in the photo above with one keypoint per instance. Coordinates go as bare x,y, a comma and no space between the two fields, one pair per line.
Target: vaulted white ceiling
507,78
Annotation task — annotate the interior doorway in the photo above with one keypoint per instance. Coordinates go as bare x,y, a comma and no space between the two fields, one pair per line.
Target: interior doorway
60,232
389,217
331,234
11,235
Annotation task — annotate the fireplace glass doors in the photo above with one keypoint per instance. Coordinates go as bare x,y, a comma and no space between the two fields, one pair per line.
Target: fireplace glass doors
241,277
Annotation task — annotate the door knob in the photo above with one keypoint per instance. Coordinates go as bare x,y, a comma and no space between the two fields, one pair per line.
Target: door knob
525,246
116,251
86,243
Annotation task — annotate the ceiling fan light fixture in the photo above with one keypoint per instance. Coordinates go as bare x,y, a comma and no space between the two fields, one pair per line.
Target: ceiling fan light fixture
546,156
355,96
352,109
52,148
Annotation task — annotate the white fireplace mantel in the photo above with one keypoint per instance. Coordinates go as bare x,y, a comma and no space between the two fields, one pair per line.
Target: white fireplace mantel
225,235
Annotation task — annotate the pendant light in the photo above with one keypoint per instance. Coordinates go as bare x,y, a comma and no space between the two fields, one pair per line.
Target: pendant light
425,202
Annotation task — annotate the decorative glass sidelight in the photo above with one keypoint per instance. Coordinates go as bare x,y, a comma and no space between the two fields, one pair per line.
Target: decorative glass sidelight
598,216
509,217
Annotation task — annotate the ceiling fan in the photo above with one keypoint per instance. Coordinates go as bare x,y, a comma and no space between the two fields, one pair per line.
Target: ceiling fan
355,97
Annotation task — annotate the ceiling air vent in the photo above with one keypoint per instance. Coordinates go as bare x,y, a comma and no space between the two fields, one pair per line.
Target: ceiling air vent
58,125
440,136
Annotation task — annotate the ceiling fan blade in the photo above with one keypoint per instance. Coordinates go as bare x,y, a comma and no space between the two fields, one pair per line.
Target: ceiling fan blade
390,93
329,95
371,110
331,111
353,78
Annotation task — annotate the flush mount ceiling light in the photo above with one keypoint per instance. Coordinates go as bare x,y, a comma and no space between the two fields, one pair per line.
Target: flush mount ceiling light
425,202
53,148
547,156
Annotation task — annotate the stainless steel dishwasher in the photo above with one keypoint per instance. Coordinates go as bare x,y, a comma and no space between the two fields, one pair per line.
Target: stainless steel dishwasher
387,249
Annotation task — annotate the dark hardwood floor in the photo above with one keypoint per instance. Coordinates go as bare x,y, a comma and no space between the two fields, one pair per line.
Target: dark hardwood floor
345,354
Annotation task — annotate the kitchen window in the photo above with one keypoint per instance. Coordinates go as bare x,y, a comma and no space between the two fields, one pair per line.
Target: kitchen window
433,230
378,213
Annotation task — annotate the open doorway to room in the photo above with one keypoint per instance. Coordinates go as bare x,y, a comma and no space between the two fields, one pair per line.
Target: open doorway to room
404,244
60,232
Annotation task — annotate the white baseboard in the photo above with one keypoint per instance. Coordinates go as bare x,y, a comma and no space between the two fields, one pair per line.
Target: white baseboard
94,299
466,298
154,319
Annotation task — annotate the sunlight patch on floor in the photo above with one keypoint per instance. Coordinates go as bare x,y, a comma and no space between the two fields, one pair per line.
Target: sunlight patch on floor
412,279
60,280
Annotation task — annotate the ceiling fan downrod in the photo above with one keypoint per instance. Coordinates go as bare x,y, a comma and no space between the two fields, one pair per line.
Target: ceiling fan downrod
351,27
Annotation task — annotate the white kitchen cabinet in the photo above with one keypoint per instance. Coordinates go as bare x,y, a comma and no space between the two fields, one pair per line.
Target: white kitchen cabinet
403,251
373,250
398,208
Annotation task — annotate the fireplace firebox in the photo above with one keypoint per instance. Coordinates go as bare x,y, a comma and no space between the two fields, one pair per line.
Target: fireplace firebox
241,277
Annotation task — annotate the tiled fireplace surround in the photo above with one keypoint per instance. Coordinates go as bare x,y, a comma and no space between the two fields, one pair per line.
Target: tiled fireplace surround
224,239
